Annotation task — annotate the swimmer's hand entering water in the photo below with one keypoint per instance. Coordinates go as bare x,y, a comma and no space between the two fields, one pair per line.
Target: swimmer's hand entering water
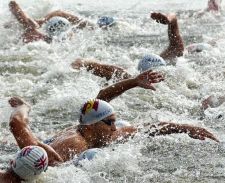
147,78
194,132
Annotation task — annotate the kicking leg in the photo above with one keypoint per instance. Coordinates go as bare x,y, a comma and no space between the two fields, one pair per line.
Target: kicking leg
176,46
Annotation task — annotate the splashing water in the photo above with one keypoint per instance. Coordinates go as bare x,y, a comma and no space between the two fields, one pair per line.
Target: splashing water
41,73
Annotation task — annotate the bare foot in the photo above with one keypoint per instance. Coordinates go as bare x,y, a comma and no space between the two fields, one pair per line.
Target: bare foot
17,101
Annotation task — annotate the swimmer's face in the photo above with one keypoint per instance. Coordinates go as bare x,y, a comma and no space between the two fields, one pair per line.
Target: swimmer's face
110,122
106,127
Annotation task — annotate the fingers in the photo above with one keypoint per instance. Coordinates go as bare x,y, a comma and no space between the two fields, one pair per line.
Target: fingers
160,18
153,77
210,136
203,133
15,101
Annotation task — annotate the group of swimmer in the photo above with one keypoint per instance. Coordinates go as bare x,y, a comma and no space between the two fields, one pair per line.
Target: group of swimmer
98,125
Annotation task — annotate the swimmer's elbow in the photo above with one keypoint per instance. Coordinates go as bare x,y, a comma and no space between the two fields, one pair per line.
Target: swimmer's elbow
102,96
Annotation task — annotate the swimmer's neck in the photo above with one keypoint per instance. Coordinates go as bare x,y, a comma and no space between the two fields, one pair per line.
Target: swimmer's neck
9,177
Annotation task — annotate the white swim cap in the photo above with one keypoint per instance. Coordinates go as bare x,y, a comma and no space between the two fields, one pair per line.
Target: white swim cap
149,62
198,47
95,110
30,161
57,25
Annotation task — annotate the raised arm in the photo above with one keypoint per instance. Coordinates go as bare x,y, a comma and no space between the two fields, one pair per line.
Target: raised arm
71,18
22,132
176,46
102,70
30,26
22,18
165,128
144,80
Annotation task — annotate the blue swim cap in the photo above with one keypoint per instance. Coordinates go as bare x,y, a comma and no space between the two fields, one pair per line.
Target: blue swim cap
89,154
105,21
150,61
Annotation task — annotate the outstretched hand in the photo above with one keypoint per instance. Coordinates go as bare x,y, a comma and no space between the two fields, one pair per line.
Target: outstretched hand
193,131
160,18
17,101
147,78
201,134
77,64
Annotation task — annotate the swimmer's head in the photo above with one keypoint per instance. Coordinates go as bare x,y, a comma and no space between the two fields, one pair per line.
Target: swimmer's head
30,162
95,110
149,62
105,21
57,25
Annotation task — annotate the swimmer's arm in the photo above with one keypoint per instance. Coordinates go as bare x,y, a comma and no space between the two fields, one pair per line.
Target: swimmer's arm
124,133
165,128
102,70
27,22
22,132
144,80
71,18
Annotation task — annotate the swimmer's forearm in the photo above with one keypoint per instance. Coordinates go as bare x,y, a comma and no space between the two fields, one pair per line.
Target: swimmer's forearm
166,129
116,89
21,16
102,70
105,70
71,18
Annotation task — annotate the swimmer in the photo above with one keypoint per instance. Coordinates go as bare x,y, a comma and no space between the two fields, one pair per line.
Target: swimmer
97,123
116,73
30,162
56,22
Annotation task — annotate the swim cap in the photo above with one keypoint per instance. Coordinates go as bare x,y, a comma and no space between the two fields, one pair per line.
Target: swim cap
121,123
150,61
198,47
105,21
56,25
95,110
30,161
89,154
